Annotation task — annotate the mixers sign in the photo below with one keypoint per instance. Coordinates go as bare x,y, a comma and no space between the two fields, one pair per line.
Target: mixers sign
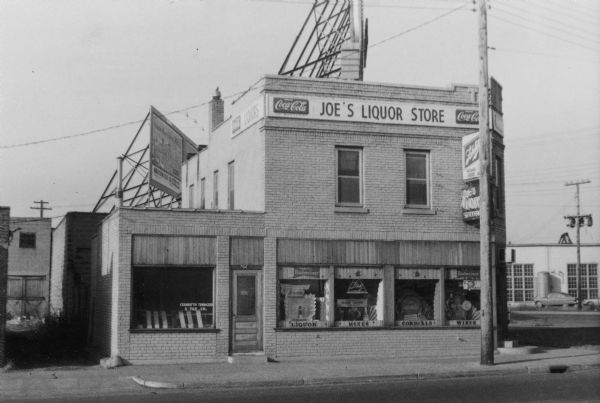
367,111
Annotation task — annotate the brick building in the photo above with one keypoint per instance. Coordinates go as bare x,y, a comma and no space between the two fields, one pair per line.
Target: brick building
71,267
4,238
29,266
322,219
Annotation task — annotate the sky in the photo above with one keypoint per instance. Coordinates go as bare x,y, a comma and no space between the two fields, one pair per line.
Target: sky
78,77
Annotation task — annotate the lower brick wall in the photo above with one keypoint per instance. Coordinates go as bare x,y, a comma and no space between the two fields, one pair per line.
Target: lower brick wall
173,347
388,343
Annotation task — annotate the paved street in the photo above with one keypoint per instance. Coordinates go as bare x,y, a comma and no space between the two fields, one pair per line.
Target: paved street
577,386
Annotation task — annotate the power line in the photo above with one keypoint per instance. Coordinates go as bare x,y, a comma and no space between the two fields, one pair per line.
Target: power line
419,26
565,58
567,12
553,26
105,129
561,22
543,33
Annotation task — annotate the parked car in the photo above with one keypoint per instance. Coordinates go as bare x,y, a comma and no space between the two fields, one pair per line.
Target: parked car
593,303
555,299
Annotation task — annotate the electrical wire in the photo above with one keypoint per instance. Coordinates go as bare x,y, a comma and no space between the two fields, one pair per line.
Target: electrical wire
419,26
117,126
555,20
544,26
542,32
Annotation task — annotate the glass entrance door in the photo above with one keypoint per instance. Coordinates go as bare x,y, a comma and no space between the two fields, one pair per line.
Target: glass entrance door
247,306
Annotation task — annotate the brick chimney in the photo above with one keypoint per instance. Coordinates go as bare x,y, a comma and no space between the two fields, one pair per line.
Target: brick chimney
216,111
350,60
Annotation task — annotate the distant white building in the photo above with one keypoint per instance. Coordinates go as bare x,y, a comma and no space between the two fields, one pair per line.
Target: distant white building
541,268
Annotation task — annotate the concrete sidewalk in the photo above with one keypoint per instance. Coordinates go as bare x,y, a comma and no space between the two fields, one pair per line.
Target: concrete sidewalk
82,381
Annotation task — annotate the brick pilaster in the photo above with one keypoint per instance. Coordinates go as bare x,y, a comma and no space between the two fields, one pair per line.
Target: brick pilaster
270,296
222,304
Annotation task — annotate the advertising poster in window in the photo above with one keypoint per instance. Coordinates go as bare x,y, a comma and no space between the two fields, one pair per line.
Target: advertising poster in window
463,298
168,149
358,297
304,297
415,302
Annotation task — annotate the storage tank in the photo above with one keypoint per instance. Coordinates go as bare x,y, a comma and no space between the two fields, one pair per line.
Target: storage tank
543,284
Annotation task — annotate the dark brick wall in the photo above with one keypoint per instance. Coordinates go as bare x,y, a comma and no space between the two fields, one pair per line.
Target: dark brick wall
4,226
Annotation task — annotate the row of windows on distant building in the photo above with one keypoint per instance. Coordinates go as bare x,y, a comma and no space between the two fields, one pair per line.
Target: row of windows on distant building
520,281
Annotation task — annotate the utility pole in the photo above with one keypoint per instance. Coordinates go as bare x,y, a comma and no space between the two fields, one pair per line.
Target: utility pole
41,208
578,221
487,317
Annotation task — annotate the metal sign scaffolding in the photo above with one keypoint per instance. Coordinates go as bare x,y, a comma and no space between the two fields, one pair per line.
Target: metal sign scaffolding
318,45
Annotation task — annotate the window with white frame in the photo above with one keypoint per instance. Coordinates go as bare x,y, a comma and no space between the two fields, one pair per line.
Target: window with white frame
417,179
589,280
519,281
348,172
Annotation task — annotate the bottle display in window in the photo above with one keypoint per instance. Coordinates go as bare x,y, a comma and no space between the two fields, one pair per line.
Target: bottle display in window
358,297
415,302
463,299
304,297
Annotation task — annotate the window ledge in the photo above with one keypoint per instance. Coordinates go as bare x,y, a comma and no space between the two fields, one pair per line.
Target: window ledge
374,328
419,211
351,209
179,330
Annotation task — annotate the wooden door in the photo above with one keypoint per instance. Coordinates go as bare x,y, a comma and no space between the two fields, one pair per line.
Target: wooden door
247,307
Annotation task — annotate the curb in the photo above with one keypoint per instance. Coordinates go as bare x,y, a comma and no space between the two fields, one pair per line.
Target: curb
361,379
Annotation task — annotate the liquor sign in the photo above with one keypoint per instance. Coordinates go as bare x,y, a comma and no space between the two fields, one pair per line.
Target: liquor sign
248,117
470,156
495,95
303,324
168,149
371,111
470,201
497,122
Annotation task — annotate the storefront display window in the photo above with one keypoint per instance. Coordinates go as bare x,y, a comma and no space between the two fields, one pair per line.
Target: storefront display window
463,292
417,292
358,297
304,297
172,298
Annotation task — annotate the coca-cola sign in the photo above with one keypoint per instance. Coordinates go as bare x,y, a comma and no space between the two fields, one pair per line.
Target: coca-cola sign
468,117
295,106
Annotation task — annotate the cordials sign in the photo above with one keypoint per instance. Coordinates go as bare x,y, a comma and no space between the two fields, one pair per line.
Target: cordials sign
358,110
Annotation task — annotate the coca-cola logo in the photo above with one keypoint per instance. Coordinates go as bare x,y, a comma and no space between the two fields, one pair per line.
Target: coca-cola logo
468,117
290,105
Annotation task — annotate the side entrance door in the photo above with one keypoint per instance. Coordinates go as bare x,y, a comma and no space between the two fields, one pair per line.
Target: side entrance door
247,308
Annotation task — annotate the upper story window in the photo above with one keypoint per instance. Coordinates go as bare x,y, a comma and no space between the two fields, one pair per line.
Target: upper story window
27,240
231,185
215,203
191,196
417,179
203,193
349,173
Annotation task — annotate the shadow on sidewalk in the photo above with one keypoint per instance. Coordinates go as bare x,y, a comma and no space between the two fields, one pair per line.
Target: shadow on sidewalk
52,345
